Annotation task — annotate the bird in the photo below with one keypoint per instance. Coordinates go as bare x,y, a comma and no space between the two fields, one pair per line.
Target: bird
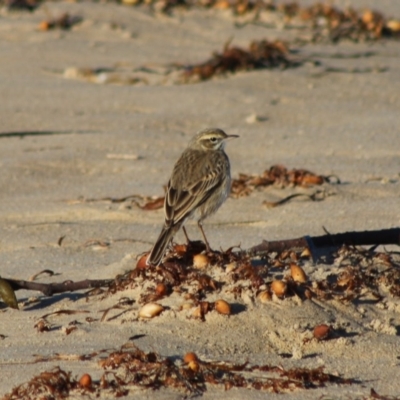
199,184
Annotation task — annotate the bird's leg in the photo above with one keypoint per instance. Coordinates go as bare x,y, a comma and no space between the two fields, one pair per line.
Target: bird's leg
208,248
195,246
186,235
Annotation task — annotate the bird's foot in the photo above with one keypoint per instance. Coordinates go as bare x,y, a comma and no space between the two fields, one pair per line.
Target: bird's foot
196,247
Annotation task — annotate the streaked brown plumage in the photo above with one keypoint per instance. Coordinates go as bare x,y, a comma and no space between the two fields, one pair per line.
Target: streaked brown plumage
199,184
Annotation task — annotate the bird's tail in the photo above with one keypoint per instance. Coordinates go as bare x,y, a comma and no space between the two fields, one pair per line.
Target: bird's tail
161,244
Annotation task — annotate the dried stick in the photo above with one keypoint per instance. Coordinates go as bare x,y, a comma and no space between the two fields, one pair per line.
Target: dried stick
385,236
48,289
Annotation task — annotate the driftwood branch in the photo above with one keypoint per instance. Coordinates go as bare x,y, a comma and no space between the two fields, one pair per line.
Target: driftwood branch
48,289
381,237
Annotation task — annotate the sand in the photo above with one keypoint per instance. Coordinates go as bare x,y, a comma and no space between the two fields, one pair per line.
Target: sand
90,141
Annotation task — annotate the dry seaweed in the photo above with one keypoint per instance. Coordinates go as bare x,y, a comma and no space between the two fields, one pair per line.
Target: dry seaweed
146,203
64,22
55,384
123,303
47,272
177,272
279,176
318,195
361,273
130,366
260,54
133,366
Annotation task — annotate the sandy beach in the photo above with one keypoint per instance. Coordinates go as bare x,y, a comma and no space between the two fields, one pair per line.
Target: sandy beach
99,112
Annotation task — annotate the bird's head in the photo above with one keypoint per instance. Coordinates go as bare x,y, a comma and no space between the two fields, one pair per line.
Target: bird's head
211,139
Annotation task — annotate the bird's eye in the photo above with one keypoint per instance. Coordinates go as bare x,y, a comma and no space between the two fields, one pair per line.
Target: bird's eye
213,139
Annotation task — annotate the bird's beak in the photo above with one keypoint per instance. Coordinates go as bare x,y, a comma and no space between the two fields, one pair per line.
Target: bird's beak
232,137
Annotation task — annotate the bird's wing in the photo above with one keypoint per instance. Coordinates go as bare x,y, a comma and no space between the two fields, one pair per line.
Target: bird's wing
186,194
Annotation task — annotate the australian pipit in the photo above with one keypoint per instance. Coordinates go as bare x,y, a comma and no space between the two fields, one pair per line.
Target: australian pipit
199,184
